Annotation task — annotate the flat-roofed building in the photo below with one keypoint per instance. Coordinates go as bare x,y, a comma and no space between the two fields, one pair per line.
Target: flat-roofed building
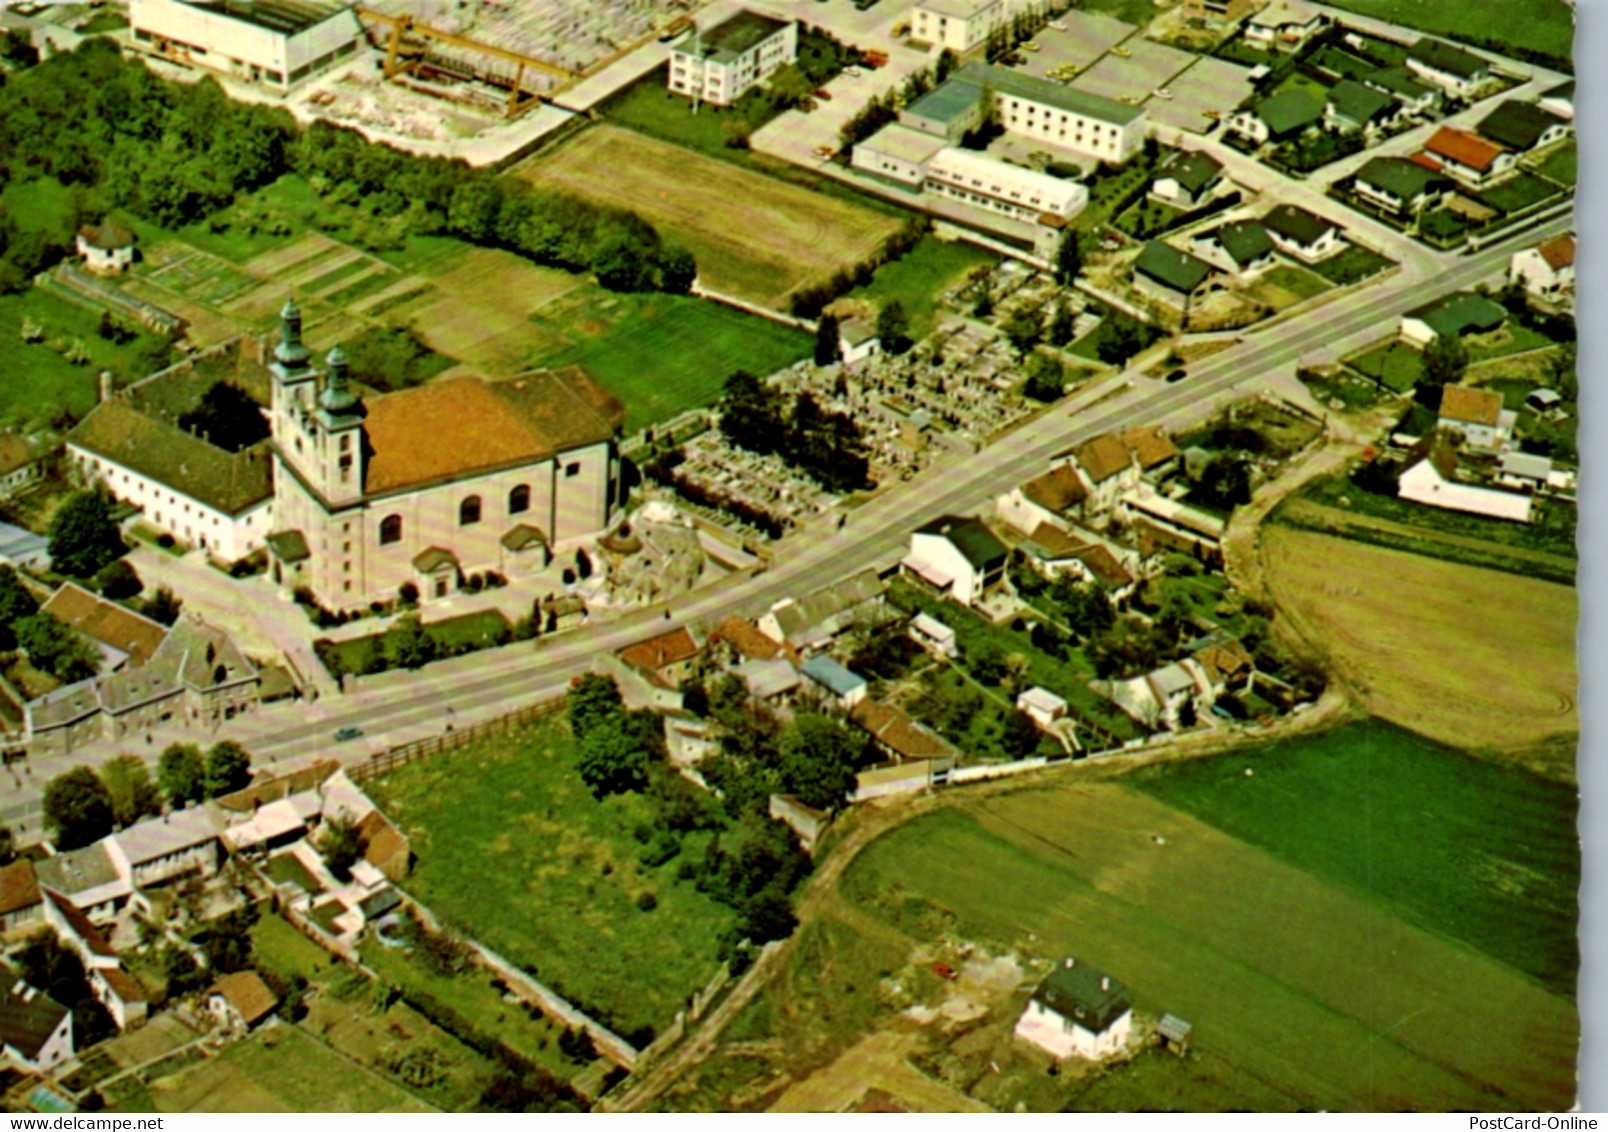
949,111
985,182
275,44
1284,25
898,153
721,64
1044,111
963,26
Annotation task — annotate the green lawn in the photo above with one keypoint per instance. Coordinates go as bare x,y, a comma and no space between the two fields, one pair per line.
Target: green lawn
41,204
648,107
1352,265
281,949
102,22
262,222
1519,192
1397,365
1514,338
465,633
1297,281
513,848
921,276
1561,165
1462,847
301,1074
1304,83
663,354
1545,26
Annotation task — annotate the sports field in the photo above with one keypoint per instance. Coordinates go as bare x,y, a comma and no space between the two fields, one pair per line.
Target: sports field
1474,657
753,236
1318,994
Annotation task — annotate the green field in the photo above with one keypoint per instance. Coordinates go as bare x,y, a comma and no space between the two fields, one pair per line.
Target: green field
1561,165
1395,365
921,276
663,354
1544,26
513,849
281,949
1352,265
1520,192
1407,823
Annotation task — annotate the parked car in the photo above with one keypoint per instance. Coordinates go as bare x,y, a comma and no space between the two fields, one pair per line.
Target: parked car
1122,53
1031,45
853,72
1164,94
348,733
1177,375
824,94
825,151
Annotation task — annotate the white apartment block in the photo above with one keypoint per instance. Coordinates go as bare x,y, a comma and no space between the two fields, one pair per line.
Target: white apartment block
962,26
1040,110
984,182
721,64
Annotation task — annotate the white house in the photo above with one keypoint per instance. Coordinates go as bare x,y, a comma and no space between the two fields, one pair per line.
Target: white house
1459,73
36,1032
958,555
1283,116
1077,1011
1043,706
1411,95
89,878
1303,235
933,635
1430,478
845,686
1241,248
1173,277
1546,271
985,182
106,248
1187,179
857,341
721,64
1478,417
1523,472
275,46
1283,25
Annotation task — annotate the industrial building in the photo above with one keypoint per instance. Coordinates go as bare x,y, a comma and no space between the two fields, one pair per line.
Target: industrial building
276,44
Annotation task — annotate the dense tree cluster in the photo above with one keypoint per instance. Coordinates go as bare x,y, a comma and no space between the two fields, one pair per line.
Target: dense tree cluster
613,746
83,538
82,806
825,445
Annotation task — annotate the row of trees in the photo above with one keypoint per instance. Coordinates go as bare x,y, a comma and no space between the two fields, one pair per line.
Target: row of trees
884,108
175,153
827,446
81,806
810,300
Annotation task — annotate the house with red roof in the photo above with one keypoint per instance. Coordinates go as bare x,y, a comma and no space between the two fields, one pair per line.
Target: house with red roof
1468,157
1546,271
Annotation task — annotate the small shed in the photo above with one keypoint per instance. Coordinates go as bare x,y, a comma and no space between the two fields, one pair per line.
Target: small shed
107,248
1172,1033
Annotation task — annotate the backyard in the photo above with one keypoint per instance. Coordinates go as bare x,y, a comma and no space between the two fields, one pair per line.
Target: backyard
514,850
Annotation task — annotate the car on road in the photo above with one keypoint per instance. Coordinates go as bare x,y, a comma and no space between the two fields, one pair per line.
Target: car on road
1058,25
853,72
1164,94
1122,53
825,151
1177,375
1030,45
824,94
345,734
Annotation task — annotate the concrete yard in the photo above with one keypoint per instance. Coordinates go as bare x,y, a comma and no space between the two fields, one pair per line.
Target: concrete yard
1151,66
1211,84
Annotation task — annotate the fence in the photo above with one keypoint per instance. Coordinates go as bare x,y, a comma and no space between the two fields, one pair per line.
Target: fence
436,744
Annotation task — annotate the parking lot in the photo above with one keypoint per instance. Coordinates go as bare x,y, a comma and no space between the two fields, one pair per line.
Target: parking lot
1150,67
1211,84
1086,37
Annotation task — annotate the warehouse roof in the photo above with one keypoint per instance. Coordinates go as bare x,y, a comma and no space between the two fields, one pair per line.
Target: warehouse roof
1015,83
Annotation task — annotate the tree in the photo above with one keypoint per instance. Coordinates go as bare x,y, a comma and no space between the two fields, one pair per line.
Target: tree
752,415
591,700
83,538
987,662
621,263
1445,359
893,327
128,784
1023,329
1046,378
819,756
228,768
1021,735
827,347
54,648
78,809
181,772
1225,483
162,606
17,603
610,757
228,943
408,645
227,417
342,845
768,916
119,580
678,271
1068,259
1063,325
1121,341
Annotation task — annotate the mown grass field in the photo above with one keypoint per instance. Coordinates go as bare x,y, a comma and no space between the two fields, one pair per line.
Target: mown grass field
513,849
1546,26
661,354
755,237
1318,994
919,278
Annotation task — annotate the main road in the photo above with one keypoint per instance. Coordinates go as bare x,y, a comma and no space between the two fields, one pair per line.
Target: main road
401,706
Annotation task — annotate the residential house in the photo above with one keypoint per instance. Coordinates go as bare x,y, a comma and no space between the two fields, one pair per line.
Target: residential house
1430,477
1187,179
722,63
737,637
1546,271
1172,277
1285,115
688,740
385,847
1042,706
1055,497
240,1001
806,822
1414,97
1168,698
178,844
120,994
36,1032
20,906
1056,551
89,877
847,688
120,635
813,621
898,736
107,248
1283,25
1559,100
928,632
1478,417
1459,73
20,464
1219,12
1152,450
1353,106
666,659
768,680
1455,315
1468,157
1523,472
958,555
1108,468
857,341
1304,235
1241,248
1401,186
1523,126
1077,1011
1227,665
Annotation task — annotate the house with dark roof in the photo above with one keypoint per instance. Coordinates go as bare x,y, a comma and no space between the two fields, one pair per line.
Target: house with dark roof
957,555
36,1031
90,877
722,63
1353,106
1400,186
1468,157
424,485
1456,71
1172,277
1411,95
1283,116
1455,315
20,905
1241,248
241,1001
1187,179
20,463
1078,1011
1304,235
1523,126
107,248
1546,271
1559,100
